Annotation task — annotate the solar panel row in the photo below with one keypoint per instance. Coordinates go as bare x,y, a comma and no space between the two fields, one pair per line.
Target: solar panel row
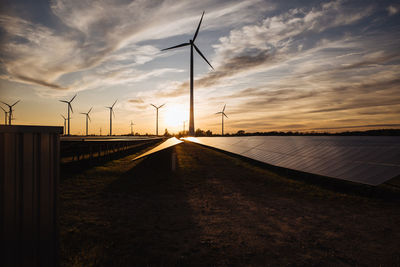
364,159
168,143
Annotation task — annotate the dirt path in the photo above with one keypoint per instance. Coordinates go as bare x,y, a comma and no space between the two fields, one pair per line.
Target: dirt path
218,210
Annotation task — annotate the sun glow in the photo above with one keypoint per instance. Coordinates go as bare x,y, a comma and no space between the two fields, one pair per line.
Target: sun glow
174,117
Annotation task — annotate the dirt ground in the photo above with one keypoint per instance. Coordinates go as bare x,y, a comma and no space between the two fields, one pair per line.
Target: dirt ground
218,210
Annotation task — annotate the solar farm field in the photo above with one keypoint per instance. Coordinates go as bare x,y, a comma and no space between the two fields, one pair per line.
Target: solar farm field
218,209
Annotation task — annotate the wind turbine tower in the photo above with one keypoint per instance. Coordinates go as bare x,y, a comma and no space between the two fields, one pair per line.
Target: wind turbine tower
5,115
69,107
157,116
131,127
10,107
87,117
65,122
192,45
111,115
222,115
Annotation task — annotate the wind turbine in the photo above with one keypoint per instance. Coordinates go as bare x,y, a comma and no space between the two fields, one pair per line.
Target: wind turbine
111,114
131,127
191,43
10,110
184,124
222,115
5,115
69,107
157,117
87,117
65,122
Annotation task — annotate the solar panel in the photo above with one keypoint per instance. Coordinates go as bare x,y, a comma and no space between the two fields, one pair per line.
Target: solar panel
168,143
364,159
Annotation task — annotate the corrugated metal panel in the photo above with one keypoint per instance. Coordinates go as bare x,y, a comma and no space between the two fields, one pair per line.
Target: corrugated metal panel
29,173
364,159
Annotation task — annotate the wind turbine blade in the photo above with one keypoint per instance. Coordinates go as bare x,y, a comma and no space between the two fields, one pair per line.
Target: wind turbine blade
70,106
89,117
63,117
113,112
114,103
198,51
83,113
15,103
224,108
5,103
218,113
224,114
73,98
161,105
90,110
176,46
198,27
64,101
3,109
153,105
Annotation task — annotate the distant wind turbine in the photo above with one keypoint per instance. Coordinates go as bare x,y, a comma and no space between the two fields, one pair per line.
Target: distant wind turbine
111,114
69,107
131,127
10,110
157,116
65,122
87,117
222,115
184,124
191,43
5,115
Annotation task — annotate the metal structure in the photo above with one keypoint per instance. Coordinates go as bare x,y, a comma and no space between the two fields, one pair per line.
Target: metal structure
192,45
29,177
77,148
131,127
10,110
5,115
69,107
157,108
222,115
369,160
111,114
87,118
65,122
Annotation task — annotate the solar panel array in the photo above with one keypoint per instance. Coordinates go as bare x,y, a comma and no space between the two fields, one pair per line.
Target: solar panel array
364,159
168,143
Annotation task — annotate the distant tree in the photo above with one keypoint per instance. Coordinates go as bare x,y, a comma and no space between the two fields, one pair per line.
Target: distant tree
166,133
240,132
199,132
208,133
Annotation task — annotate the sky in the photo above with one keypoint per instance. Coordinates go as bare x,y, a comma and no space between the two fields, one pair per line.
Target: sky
278,65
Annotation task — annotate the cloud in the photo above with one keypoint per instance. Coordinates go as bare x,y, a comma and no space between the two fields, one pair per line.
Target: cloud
393,10
256,48
92,34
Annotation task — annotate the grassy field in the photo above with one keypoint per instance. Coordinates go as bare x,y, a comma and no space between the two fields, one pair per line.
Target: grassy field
216,209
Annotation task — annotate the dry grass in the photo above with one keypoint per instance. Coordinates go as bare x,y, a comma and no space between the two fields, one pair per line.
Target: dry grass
218,210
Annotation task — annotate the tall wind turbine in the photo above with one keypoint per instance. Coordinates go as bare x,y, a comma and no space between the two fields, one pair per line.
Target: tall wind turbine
111,114
131,127
87,117
5,115
10,111
222,115
65,122
191,43
157,116
69,107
